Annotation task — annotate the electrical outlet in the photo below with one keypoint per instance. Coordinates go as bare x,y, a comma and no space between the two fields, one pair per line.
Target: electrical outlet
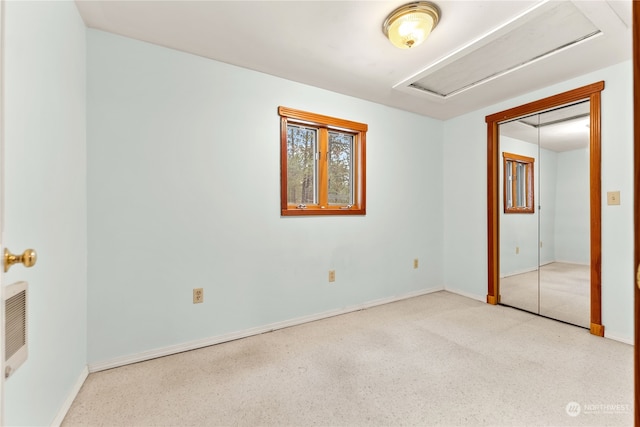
332,275
517,250
198,295
415,263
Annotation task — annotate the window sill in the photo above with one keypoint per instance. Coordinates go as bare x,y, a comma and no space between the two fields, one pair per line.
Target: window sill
321,212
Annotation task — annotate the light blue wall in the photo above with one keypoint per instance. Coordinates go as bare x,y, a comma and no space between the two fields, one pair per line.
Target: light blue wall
184,190
45,195
465,196
573,229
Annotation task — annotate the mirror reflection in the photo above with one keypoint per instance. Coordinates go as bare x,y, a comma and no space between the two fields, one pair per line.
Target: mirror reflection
518,183
545,225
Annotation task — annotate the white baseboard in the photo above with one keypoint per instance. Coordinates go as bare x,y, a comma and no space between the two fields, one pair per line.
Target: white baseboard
70,398
616,337
192,345
482,298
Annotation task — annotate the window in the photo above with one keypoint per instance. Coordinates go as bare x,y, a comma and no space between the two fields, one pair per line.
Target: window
518,183
322,164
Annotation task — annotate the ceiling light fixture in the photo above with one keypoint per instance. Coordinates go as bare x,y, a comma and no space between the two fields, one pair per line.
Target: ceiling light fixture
411,24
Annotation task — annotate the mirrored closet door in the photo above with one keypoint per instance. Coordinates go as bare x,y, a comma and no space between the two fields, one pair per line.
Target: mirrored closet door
545,213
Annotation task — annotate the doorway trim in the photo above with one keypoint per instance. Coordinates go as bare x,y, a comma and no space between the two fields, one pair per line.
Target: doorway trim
636,189
589,92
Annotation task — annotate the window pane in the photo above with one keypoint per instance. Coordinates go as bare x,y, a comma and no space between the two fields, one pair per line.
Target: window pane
521,181
301,164
340,168
509,183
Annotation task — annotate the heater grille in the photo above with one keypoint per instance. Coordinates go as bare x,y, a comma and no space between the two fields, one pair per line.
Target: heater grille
16,326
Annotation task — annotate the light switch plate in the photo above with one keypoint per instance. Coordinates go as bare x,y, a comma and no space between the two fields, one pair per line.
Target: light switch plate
613,198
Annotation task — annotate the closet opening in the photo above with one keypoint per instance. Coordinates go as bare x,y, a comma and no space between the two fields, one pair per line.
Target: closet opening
544,207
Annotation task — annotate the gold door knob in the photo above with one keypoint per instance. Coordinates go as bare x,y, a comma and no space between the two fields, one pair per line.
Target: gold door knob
28,258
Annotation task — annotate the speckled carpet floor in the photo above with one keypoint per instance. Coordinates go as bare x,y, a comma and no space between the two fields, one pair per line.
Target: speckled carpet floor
437,359
558,290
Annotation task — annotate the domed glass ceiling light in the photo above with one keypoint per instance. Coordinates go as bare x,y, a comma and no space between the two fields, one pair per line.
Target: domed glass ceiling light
411,24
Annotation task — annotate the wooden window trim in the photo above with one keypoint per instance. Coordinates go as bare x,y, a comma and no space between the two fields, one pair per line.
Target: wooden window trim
324,124
529,185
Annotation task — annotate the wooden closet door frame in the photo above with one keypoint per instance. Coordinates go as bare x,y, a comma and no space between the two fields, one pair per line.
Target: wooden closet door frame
589,92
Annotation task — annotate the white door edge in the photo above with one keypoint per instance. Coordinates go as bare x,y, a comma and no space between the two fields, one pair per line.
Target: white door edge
2,136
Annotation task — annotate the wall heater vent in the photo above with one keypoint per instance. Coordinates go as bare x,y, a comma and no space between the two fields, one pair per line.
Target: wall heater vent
15,334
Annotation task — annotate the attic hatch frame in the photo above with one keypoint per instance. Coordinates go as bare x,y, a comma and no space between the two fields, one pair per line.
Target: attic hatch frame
592,93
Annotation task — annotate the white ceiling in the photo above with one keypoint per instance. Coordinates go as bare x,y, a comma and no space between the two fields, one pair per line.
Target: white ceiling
339,45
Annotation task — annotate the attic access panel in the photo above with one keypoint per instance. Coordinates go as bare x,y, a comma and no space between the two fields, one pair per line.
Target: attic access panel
535,36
